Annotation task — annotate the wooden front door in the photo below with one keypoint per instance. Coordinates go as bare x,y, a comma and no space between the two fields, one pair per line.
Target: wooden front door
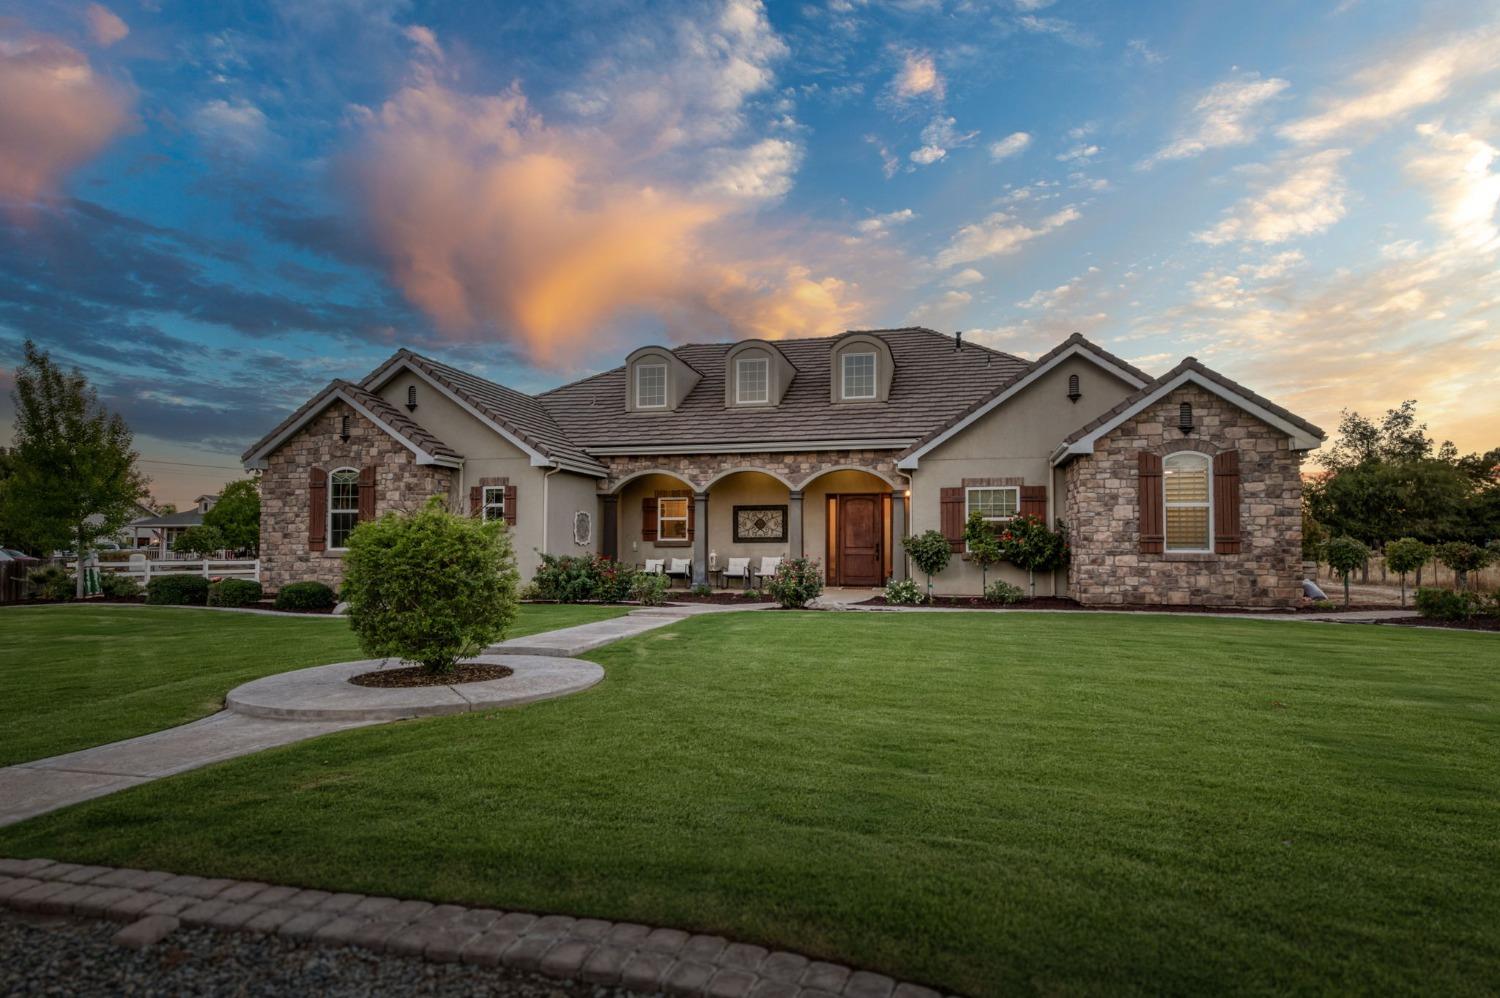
860,531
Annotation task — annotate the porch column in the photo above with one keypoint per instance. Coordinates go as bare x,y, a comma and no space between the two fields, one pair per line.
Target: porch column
610,541
794,524
898,531
700,539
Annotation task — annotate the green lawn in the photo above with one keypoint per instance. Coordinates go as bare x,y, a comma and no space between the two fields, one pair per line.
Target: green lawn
75,677
1067,804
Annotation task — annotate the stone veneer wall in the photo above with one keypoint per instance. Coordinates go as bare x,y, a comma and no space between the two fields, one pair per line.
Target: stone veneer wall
798,468
1103,515
400,483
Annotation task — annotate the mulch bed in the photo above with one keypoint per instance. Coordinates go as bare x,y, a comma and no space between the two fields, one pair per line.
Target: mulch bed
416,675
719,598
1477,624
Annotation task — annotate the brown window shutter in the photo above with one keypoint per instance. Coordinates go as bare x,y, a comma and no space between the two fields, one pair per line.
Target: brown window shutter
317,509
476,500
1148,476
951,507
1034,501
510,505
1227,502
366,493
648,519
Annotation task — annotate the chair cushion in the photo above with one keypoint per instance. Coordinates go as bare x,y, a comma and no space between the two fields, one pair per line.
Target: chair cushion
680,566
654,565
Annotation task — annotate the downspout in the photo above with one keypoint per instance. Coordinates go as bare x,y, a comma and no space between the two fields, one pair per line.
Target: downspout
546,506
459,493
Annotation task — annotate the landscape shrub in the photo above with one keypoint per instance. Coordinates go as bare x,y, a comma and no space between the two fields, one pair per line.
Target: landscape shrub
234,592
1004,592
430,587
650,589
581,578
903,592
1324,605
797,582
752,594
177,590
118,586
982,546
1027,542
616,580
930,552
1344,555
1449,604
702,589
306,595
52,582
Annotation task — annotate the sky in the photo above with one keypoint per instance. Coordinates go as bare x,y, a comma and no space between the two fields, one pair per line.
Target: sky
215,209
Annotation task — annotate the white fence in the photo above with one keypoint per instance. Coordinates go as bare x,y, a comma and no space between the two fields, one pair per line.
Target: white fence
144,569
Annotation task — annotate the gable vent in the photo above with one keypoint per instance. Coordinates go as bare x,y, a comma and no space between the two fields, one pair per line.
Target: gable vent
1074,393
411,398
1185,418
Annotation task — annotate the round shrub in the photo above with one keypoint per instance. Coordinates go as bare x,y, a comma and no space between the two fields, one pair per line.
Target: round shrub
177,590
1001,591
52,582
118,586
650,589
234,592
797,582
930,552
430,587
1449,604
905,592
305,596
1344,555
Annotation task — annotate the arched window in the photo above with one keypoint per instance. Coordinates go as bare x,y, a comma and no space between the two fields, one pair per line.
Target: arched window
1186,481
343,506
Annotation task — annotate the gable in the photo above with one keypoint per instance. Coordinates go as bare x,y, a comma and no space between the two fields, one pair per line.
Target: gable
460,427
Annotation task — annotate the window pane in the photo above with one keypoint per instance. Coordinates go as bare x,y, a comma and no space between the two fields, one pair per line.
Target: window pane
1187,528
859,376
341,525
651,385
494,502
671,519
993,502
753,380
1186,479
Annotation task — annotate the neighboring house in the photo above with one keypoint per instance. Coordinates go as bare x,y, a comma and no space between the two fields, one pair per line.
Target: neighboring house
1179,489
125,536
162,531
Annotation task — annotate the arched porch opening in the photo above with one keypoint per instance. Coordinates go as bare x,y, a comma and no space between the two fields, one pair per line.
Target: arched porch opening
853,521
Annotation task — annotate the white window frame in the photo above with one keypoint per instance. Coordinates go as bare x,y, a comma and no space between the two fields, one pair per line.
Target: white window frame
486,503
1207,503
641,369
332,496
874,375
662,518
969,502
739,380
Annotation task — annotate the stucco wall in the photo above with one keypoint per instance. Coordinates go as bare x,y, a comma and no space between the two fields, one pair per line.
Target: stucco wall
1103,513
401,484
1014,443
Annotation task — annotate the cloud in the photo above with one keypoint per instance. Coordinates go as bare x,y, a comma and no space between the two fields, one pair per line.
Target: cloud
1082,151
1062,296
1137,51
1228,114
1011,145
1383,93
880,224
964,278
493,221
1461,177
998,235
238,126
918,77
1058,28
940,135
56,115
1308,200
105,26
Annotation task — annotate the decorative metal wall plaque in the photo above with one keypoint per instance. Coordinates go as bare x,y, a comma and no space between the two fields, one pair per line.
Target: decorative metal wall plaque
759,523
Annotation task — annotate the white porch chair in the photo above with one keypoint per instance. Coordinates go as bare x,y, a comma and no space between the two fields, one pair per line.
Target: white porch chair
680,566
767,567
656,566
739,568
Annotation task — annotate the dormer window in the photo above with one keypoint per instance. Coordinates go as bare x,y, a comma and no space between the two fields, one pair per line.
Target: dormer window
651,386
752,380
858,376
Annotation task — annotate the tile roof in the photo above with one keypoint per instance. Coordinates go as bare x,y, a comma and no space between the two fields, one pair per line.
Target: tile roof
933,383
1192,364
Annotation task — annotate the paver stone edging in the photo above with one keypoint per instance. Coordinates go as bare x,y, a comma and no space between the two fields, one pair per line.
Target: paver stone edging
154,903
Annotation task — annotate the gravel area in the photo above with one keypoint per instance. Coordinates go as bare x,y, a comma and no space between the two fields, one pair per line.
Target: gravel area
74,956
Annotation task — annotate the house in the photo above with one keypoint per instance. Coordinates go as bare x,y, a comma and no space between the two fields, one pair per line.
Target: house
1183,488
161,531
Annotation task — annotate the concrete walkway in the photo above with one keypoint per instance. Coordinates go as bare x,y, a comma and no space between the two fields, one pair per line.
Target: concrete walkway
586,637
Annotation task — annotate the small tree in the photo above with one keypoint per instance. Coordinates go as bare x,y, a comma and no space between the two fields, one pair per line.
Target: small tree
1463,558
73,477
1344,555
237,516
1406,555
1027,542
430,587
984,549
203,541
931,553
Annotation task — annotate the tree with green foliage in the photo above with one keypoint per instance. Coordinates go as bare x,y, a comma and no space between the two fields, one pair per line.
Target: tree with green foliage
930,552
1314,534
983,548
1462,558
430,587
74,480
236,516
1406,555
1344,555
1028,543
203,541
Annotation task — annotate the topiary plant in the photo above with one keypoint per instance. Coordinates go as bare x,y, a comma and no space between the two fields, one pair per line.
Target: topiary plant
177,590
1027,542
1344,555
430,587
234,592
983,548
1406,555
796,583
1463,558
930,552
305,596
